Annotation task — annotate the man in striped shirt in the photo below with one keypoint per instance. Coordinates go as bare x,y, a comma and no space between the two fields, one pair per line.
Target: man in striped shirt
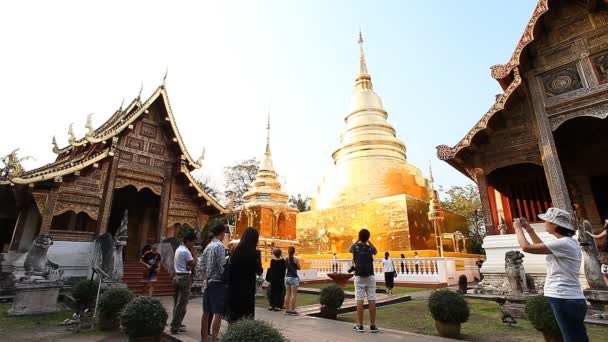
212,268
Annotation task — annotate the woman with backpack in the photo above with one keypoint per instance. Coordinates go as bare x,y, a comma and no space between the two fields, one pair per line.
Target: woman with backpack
292,281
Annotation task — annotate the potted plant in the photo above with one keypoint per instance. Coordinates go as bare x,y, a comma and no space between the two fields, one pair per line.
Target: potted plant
331,300
110,305
542,318
84,293
144,319
449,310
252,331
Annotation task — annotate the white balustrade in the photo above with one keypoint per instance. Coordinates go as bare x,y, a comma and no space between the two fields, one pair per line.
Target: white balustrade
409,270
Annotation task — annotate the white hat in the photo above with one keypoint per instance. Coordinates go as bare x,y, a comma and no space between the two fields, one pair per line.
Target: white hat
559,217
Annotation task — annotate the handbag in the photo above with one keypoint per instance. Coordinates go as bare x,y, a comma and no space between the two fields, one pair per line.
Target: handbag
394,274
268,275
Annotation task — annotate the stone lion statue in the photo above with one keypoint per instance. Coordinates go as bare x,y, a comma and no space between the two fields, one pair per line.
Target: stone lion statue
37,265
516,275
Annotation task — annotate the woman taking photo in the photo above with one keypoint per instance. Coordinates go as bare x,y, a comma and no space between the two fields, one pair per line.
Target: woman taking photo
151,260
562,287
276,277
245,266
292,281
388,267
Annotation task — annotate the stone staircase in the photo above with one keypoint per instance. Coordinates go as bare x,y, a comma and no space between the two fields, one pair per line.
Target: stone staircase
134,278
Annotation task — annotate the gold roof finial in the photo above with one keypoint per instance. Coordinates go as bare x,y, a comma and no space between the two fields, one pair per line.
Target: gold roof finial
267,153
140,90
55,147
121,104
363,80
202,157
89,125
72,137
165,77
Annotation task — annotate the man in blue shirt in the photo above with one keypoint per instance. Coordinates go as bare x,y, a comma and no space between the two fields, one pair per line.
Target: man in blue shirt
365,283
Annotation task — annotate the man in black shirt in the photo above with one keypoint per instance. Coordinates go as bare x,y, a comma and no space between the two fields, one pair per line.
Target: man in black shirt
365,283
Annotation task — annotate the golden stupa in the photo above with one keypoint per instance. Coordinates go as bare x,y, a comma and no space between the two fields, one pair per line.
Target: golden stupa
371,185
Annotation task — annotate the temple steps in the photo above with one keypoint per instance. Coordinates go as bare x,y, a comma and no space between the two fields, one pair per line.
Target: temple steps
134,278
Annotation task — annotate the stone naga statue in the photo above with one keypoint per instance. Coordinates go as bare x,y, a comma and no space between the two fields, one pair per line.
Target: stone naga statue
37,265
108,251
593,273
516,275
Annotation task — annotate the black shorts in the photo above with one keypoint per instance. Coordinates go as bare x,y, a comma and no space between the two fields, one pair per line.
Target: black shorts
150,276
214,298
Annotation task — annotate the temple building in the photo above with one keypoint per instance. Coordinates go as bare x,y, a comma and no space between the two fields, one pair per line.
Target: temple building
135,161
371,185
266,206
542,142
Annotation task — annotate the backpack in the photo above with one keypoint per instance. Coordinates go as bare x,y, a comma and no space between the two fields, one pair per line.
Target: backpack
364,260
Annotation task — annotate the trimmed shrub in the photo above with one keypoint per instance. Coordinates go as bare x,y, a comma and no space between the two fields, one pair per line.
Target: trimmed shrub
252,331
143,317
84,293
112,302
449,307
332,296
541,316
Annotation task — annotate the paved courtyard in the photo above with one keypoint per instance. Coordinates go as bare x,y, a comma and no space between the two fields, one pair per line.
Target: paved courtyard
299,328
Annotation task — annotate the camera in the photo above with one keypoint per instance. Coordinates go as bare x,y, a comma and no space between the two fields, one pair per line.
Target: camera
351,269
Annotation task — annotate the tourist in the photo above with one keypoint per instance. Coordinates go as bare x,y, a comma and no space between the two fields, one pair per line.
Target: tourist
276,277
184,263
365,283
212,268
562,287
151,260
403,266
388,267
417,262
292,281
334,265
603,259
245,266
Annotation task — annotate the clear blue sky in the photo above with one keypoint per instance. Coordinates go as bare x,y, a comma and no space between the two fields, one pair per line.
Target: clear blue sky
429,62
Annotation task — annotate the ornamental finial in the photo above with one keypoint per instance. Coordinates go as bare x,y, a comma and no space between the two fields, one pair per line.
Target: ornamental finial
202,157
89,125
362,63
55,147
267,153
140,90
165,77
72,137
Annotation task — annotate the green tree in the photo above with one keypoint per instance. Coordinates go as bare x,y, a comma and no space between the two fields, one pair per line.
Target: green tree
183,230
300,202
238,178
209,186
464,200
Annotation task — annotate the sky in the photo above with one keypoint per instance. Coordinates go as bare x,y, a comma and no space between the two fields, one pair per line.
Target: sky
229,63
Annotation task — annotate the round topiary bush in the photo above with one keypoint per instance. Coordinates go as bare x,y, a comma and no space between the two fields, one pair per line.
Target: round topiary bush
449,307
541,316
252,331
84,293
110,305
332,296
143,317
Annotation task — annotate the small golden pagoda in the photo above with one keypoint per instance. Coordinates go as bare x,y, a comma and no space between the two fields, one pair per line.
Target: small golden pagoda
371,185
266,206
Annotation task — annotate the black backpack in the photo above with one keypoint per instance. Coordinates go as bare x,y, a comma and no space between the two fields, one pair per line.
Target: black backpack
364,260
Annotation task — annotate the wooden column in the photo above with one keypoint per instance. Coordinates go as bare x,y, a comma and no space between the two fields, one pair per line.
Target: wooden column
481,180
546,145
108,193
47,216
165,198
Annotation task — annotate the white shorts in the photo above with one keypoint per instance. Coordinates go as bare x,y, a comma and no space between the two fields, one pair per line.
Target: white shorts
365,287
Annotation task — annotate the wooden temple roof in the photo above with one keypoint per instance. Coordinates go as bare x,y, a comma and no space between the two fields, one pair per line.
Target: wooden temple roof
100,143
509,78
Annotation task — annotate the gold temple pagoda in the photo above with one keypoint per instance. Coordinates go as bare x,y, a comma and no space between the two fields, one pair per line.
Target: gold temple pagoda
371,185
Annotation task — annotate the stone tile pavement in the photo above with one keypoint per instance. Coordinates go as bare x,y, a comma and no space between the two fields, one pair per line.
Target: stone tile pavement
299,328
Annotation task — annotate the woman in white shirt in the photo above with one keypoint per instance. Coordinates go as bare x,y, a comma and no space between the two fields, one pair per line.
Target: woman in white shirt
388,267
562,287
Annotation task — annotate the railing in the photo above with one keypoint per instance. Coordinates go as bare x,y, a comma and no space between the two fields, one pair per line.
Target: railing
412,270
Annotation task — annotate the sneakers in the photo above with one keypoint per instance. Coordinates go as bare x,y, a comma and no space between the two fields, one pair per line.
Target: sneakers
358,328
373,329
292,313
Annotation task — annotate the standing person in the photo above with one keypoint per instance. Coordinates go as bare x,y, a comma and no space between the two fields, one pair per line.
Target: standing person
214,297
334,266
185,264
402,264
365,283
276,277
417,262
245,266
388,267
292,281
564,257
603,260
151,260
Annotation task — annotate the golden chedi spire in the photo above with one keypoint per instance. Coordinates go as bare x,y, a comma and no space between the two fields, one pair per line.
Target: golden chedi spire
266,189
370,161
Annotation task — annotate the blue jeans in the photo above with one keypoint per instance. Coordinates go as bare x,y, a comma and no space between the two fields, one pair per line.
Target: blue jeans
570,316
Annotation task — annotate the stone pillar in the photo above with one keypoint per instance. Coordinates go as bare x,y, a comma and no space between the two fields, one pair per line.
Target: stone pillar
108,193
481,180
546,146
